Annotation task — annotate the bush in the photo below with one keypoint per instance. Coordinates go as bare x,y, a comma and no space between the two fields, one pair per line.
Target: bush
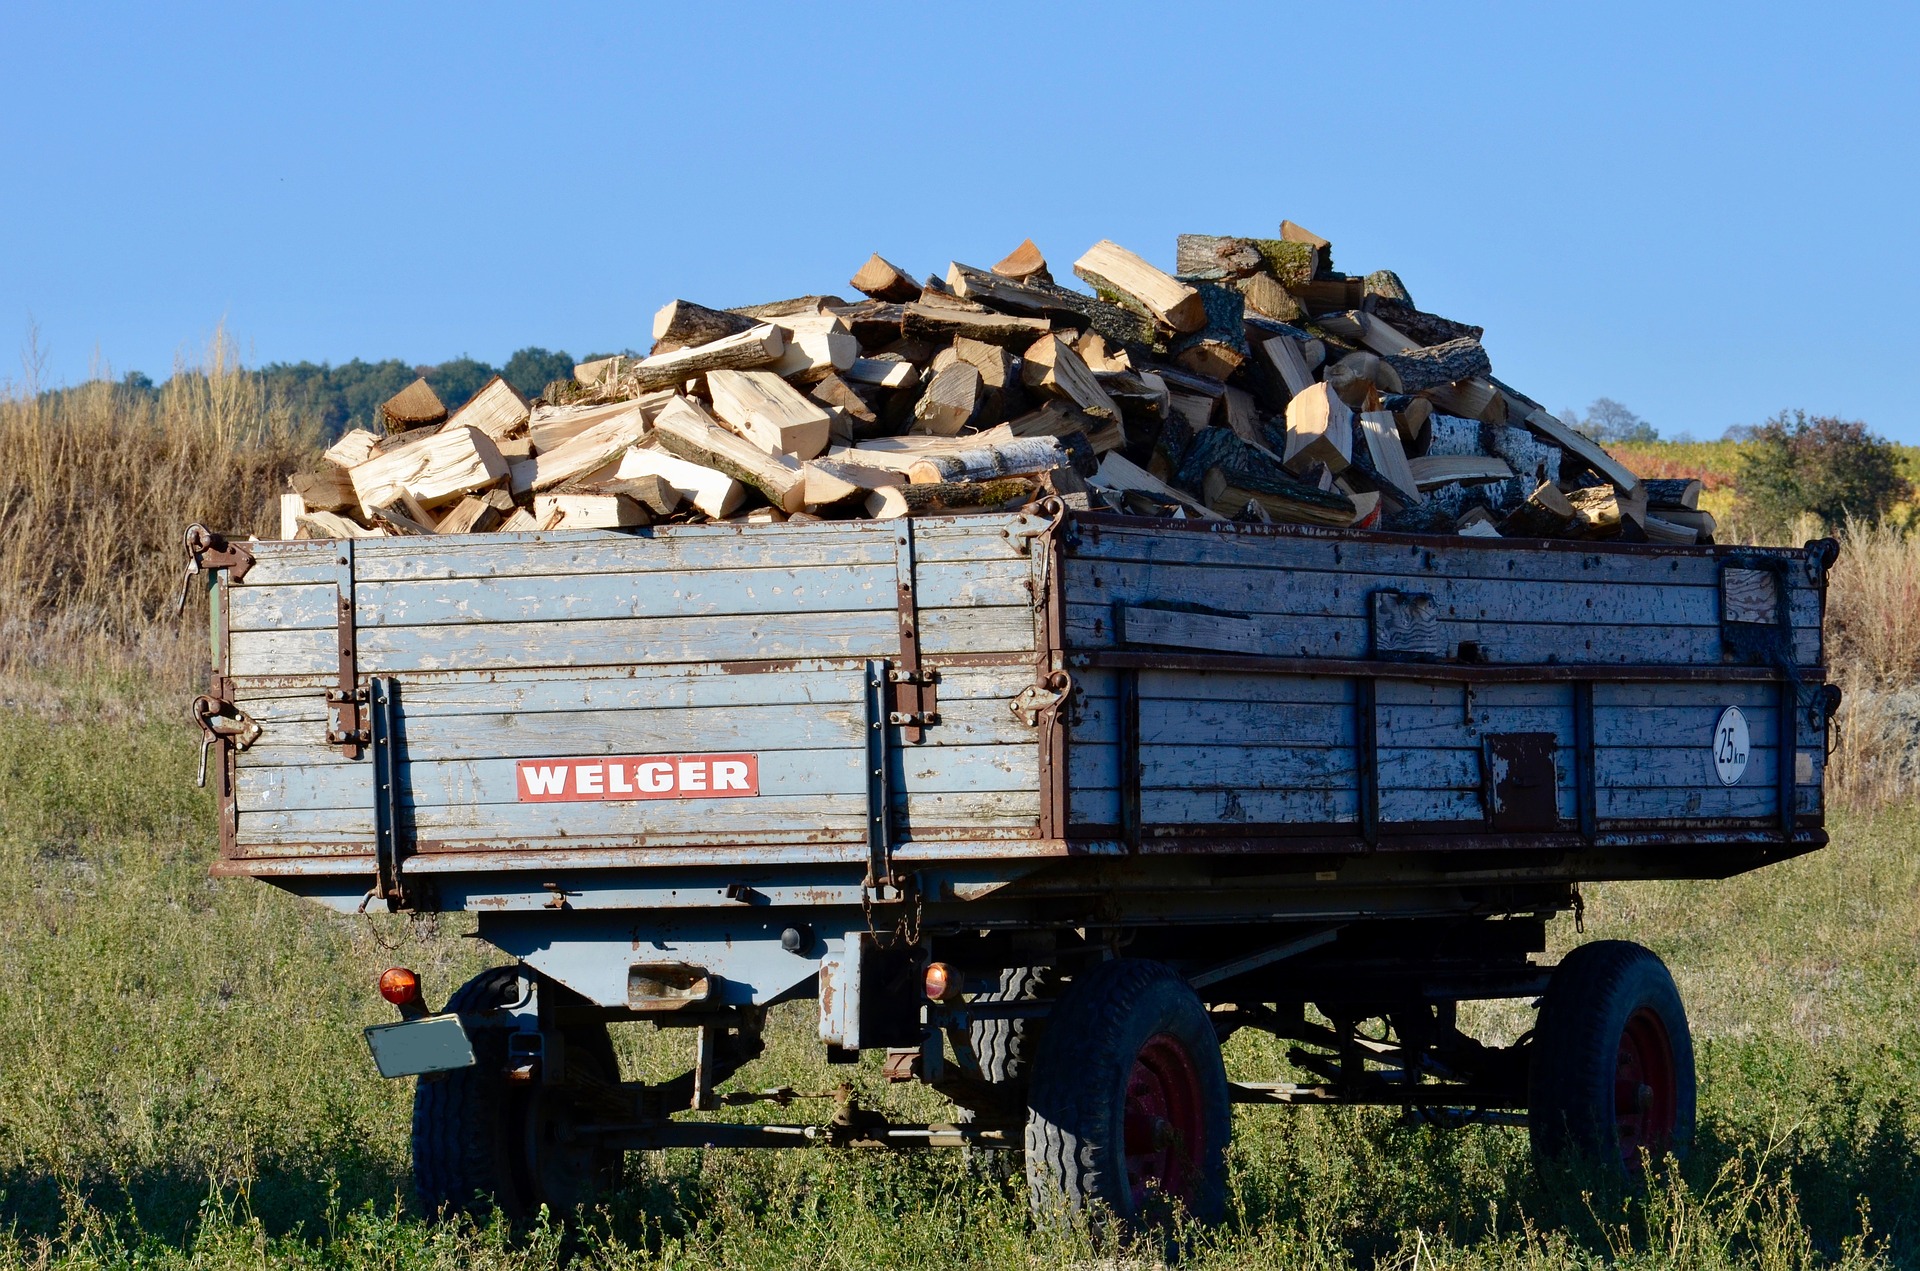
1833,469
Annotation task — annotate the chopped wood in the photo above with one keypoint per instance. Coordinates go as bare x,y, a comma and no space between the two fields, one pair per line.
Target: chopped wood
961,496
471,515
1020,456
329,490
714,493
1024,264
591,373
331,525
999,377
1587,450
550,426
1116,473
770,412
1411,416
436,469
1219,347
1665,492
680,323
403,517
683,429
884,280
415,406
942,322
649,490
886,503
1431,367
1060,419
1600,514
1358,377
1130,281
1385,450
521,519
1701,523
291,508
1430,472
351,450
1661,530
1545,514
952,399
1301,234
1384,286
986,287
754,347
590,450
1481,526
1213,257
1049,365
885,372
1319,429
1468,399
497,410
774,310
831,482
816,350
1191,409
1264,295
587,512
1100,359
1285,356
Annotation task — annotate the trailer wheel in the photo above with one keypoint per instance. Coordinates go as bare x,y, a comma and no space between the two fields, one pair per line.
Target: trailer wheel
480,1140
1611,1079
1127,1109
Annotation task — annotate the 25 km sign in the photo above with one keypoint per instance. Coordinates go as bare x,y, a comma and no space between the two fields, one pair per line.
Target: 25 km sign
1732,744
638,777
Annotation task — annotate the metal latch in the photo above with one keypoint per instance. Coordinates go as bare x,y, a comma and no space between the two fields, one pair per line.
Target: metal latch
1034,700
221,720
207,550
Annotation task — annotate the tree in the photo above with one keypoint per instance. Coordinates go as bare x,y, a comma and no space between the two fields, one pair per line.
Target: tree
1609,421
531,369
1830,468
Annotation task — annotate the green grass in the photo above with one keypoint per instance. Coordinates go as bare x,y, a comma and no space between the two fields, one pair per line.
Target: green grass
182,1082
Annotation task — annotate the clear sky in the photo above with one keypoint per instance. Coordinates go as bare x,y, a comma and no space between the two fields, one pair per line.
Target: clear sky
1707,213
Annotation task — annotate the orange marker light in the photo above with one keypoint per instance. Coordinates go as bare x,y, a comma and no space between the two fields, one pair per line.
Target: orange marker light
399,986
938,982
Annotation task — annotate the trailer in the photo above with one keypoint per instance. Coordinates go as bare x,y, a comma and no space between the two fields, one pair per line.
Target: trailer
1043,805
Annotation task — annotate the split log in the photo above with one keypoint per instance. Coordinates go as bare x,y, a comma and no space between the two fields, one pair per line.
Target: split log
497,410
1388,455
1411,415
587,512
874,323
1191,409
649,490
1600,512
770,412
1477,523
1243,418
774,310
351,450
883,372
1301,234
1358,377
685,430
1266,296
1383,286
1100,359
985,287
999,377
1286,357
1214,258
1319,429
522,519
332,525
1058,419
415,406
1545,514
1425,328
1116,473
329,490
601,368
590,451
436,469
1022,456
1432,366
884,280
1049,365
714,493
680,323
1701,523
291,508
836,484
942,323
1587,450
471,515
1238,471
1024,264
1219,347
1473,398
1664,492
1293,265
1430,472
815,349
756,346
1661,530
961,496
952,399
899,452
403,517
553,426
1130,281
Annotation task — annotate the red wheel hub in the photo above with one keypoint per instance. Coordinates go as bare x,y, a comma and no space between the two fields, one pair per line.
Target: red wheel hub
1165,1129
1646,1089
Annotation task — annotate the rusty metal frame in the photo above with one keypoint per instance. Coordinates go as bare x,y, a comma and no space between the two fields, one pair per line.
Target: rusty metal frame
1454,672
914,695
347,707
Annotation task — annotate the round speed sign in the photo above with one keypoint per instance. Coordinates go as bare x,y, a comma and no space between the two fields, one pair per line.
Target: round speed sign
1731,746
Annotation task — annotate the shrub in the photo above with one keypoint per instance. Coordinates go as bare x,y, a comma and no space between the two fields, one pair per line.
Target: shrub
1833,469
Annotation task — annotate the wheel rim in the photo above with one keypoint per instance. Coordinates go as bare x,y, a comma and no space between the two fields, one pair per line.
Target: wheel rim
1164,1127
1646,1089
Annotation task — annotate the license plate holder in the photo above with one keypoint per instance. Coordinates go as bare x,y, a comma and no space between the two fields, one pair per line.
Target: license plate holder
414,1047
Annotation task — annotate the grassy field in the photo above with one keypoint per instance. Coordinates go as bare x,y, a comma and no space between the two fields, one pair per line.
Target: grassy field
182,1083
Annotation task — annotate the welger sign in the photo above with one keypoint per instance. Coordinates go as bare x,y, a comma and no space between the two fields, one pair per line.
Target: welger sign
638,777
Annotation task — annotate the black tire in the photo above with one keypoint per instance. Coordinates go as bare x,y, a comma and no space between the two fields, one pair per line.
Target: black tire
475,1133
1129,1023
1005,1047
1611,1029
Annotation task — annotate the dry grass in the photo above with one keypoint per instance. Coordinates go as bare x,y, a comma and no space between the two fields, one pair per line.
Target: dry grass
1873,646
97,484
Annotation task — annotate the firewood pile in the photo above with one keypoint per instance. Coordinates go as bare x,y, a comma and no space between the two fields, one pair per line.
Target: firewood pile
1254,383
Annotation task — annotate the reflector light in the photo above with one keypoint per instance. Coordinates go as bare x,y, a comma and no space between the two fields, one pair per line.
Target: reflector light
938,981
399,985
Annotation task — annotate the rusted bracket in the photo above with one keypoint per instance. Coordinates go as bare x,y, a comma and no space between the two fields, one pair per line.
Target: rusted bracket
207,551
915,699
221,721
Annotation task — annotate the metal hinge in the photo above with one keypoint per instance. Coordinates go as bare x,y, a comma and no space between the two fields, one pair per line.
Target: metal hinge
1032,701
221,720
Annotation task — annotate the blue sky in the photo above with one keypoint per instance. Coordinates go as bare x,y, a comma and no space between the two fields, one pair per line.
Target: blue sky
1706,213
